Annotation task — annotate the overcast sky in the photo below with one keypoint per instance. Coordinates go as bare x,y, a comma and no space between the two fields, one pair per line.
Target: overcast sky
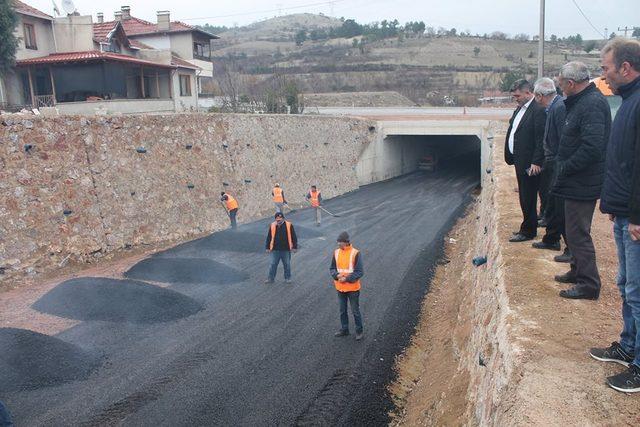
477,16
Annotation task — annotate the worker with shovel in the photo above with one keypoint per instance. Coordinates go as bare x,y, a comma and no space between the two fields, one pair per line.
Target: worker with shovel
314,198
231,206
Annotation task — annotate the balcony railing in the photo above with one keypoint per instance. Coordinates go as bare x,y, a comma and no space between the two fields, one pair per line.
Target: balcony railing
44,101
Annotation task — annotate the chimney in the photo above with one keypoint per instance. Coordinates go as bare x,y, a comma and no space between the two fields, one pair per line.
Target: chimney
163,20
126,12
117,15
100,16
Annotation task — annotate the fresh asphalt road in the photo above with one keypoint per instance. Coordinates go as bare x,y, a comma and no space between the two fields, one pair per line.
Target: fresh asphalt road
214,345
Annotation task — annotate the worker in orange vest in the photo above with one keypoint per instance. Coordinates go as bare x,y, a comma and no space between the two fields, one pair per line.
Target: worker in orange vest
346,270
278,197
231,205
281,241
315,198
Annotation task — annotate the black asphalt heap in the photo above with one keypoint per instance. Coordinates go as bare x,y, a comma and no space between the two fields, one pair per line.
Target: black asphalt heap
185,270
92,298
31,361
262,354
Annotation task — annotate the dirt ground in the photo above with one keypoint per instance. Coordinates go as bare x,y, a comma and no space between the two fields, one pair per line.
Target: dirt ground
554,381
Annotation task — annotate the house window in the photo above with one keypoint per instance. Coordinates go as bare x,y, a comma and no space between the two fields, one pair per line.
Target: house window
185,85
114,46
201,50
30,37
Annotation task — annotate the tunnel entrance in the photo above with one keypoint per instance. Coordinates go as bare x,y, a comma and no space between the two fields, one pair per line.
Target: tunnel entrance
395,155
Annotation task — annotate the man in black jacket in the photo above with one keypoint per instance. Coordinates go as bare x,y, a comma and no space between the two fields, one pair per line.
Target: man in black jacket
580,163
281,241
523,149
621,200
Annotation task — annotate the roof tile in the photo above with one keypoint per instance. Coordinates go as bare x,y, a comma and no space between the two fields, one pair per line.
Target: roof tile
25,9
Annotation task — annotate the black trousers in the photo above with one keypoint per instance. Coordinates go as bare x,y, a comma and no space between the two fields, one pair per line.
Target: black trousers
554,207
528,192
555,220
232,217
546,181
578,217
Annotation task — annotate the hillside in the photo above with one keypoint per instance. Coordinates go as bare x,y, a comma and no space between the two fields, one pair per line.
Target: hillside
425,69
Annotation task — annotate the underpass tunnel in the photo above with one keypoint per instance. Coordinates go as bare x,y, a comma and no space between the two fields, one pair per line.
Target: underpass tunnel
396,155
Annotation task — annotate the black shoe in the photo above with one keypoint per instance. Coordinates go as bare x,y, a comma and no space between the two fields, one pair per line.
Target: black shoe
626,382
520,238
565,257
542,223
359,336
341,333
615,353
567,277
544,245
577,293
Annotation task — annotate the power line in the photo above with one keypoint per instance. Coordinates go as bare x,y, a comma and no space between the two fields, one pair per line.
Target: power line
588,20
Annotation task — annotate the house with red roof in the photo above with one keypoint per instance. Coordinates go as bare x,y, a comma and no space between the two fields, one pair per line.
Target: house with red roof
78,67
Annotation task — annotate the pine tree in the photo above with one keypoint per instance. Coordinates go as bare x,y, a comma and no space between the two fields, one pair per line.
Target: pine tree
8,41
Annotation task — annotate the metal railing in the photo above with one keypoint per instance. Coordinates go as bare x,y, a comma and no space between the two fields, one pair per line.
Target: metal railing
44,101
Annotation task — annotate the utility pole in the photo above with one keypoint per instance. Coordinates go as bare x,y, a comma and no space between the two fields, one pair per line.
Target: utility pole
606,34
541,42
625,29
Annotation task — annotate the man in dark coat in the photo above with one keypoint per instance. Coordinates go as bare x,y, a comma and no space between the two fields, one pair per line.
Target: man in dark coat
523,149
621,200
580,164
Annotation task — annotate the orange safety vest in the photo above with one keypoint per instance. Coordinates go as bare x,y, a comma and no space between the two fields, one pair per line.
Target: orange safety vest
277,195
273,234
231,203
345,262
315,201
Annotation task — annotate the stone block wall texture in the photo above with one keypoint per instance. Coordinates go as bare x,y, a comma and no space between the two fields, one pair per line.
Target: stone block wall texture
72,188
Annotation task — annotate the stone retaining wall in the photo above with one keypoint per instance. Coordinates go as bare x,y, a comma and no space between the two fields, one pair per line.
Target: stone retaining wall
73,188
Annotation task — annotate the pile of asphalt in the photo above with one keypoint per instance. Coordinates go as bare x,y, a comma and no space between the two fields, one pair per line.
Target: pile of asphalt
185,270
95,298
30,360
228,240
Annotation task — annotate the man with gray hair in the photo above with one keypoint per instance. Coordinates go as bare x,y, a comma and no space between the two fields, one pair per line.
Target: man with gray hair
580,173
552,207
621,200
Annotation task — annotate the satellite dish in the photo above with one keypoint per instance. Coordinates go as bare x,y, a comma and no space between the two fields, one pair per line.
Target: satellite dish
68,7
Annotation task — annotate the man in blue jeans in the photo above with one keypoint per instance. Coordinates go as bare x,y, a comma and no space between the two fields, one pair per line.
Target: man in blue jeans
346,270
621,200
281,241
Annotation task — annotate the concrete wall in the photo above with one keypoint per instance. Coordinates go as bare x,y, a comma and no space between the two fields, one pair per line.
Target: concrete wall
73,33
44,37
124,106
157,41
184,103
12,89
399,146
182,44
83,190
